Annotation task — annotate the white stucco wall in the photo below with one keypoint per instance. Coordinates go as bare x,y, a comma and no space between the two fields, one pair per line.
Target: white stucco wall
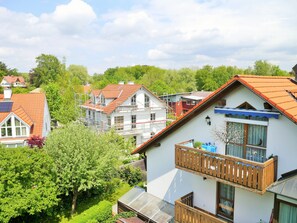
168,183
46,128
251,207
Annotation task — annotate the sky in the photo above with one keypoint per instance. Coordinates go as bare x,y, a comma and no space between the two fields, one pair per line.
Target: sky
171,34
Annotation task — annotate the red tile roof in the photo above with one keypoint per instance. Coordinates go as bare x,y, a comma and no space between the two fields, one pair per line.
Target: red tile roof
279,92
13,79
119,92
30,108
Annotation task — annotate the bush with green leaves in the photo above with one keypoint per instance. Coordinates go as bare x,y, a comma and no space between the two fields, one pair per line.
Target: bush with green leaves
98,213
27,183
131,174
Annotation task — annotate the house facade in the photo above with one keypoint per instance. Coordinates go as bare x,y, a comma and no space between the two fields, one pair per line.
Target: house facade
248,133
22,116
131,109
13,81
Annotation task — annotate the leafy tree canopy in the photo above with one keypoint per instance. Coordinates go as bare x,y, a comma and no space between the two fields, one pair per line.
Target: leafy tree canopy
84,159
27,182
80,72
48,70
5,71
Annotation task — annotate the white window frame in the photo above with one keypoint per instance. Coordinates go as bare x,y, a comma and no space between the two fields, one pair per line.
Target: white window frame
146,101
133,100
12,116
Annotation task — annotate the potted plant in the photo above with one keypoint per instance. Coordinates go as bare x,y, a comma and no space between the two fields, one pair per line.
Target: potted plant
197,144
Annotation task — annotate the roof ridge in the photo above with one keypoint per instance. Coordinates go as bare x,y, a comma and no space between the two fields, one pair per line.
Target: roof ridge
260,76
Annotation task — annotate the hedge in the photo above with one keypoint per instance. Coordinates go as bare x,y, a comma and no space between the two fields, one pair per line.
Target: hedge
98,213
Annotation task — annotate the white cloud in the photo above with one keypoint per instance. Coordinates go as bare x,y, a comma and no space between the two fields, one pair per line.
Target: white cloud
169,33
72,18
157,55
123,25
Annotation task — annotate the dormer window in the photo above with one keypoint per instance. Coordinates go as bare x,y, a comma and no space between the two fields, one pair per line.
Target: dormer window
146,101
102,100
133,100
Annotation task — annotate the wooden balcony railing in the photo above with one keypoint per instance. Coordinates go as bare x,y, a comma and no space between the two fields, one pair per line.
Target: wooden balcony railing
186,213
238,172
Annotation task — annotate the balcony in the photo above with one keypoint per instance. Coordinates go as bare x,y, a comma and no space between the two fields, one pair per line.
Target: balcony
185,212
246,174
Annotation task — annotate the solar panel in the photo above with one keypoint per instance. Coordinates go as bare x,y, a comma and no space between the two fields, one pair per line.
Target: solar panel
5,106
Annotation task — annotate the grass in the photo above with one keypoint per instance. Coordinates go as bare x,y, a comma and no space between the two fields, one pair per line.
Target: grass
91,202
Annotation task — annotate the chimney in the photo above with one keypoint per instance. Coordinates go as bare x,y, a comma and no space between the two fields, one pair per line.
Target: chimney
295,71
7,94
122,82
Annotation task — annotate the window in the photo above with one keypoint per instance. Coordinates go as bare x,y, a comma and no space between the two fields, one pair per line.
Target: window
146,101
108,121
133,121
119,122
247,141
20,128
188,102
153,116
133,100
6,128
287,212
102,100
225,202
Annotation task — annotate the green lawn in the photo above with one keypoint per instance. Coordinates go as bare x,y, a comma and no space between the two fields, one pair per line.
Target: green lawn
90,205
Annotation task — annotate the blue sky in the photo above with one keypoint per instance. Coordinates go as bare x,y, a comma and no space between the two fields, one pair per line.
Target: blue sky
100,34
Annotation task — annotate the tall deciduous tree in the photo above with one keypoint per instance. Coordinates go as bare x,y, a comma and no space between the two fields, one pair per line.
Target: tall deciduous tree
263,68
84,159
80,72
5,71
48,70
27,182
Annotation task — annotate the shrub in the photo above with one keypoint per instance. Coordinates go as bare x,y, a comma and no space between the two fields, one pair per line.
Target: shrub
131,175
98,213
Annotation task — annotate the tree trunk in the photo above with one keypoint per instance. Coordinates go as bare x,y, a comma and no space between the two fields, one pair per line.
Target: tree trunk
74,198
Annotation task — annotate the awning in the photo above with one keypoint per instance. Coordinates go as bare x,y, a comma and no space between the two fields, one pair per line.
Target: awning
246,112
147,205
286,187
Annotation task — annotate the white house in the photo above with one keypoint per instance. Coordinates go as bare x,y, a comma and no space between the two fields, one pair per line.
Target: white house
22,116
13,81
248,130
131,109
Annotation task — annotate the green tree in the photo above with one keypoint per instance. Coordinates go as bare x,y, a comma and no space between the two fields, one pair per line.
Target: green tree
27,183
84,159
48,70
80,72
5,71
54,99
263,68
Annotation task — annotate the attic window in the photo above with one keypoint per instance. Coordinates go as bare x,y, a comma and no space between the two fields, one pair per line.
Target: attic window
246,105
133,100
